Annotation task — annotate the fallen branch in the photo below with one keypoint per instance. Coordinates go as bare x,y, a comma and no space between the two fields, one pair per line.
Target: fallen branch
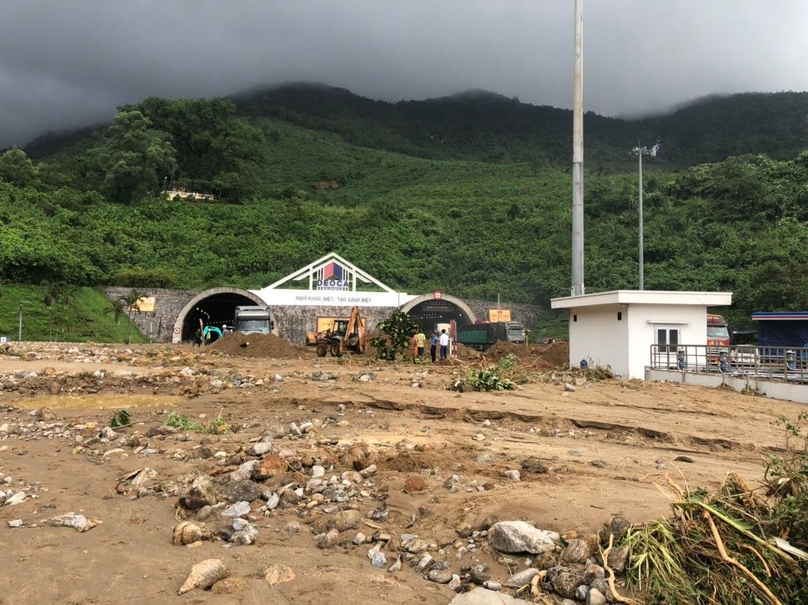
605,556
759,556
723,552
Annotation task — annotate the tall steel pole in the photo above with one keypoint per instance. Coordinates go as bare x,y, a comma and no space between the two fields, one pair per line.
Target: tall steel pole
578,156
642,260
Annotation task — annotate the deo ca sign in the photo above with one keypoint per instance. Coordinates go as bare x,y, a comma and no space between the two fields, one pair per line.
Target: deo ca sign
333,277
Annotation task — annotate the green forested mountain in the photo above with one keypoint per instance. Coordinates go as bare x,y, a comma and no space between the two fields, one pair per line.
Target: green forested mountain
484,126
469,194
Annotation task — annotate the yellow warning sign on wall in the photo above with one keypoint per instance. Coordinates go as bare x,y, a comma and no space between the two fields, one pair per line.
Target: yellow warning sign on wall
495,315
144,304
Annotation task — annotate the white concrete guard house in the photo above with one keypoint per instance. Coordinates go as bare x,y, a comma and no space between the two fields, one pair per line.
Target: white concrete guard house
618,328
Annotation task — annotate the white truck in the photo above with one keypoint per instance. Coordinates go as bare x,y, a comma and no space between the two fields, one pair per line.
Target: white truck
253,320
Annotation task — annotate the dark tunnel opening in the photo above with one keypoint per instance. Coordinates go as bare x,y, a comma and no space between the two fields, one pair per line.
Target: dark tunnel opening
432,313
215,310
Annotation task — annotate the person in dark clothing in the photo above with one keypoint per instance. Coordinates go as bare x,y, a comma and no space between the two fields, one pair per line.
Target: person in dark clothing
197,338
433,349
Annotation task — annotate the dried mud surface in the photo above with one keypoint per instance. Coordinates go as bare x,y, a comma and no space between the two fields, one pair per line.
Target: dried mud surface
605,448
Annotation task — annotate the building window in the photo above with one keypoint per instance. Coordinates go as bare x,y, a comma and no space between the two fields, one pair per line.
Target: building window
619,316
574,318
667,339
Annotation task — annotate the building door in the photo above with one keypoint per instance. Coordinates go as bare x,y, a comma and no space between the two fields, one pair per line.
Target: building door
667,341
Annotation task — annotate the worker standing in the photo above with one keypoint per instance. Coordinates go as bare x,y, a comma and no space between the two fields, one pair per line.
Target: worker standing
433,349
420,341
444,345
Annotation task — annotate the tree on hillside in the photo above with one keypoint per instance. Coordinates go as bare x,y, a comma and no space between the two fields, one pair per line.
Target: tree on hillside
211,142
126,305
16,168
137,158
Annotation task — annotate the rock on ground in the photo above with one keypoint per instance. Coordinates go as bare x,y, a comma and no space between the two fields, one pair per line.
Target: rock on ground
518,537
481,596
204,575
230,586
278,574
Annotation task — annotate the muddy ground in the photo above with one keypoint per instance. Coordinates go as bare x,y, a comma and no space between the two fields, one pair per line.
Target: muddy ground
598,452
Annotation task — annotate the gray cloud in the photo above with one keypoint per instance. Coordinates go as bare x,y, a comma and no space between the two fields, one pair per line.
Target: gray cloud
69,63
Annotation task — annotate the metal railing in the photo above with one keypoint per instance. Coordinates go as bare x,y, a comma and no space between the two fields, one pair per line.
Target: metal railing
783,364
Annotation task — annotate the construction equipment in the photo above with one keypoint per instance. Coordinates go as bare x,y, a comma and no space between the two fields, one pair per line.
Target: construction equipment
344,336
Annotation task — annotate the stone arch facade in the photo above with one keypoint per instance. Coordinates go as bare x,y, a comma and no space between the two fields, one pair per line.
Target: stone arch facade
191,304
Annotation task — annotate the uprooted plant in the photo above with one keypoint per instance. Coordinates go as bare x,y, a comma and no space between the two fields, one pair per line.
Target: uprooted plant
216,426
486,379
737,545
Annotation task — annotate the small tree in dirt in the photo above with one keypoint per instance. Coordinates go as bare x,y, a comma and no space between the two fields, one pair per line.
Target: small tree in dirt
129,303
399,328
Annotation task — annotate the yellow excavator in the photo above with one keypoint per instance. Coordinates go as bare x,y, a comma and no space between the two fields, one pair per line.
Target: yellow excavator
344,336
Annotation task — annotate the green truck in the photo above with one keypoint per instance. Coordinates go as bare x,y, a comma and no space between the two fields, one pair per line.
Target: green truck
480,336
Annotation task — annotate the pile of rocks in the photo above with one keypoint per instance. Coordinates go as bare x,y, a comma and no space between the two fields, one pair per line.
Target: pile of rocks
574,571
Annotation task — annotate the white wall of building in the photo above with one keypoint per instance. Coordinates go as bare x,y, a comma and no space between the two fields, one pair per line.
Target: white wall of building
599,337
643,323
625,345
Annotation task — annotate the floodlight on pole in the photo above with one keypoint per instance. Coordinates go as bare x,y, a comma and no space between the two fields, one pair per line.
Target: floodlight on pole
578,156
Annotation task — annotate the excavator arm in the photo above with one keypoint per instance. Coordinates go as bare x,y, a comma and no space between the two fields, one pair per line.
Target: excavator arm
355,336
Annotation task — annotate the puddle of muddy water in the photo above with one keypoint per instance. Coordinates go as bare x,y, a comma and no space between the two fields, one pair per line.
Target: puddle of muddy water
98,402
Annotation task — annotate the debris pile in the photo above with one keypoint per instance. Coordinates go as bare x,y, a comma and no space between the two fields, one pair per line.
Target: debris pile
725,547
258,345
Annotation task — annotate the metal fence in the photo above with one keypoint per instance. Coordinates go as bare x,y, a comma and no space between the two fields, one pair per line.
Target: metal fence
784,364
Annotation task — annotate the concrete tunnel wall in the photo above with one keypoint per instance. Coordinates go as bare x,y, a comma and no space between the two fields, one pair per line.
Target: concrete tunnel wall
292,322
194,302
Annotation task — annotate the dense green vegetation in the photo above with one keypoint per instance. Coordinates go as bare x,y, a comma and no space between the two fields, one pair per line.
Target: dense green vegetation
64,314
458,194
483,126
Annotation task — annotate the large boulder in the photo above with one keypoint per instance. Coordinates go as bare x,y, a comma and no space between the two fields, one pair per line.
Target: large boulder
241,491
202,492
270,466
519,537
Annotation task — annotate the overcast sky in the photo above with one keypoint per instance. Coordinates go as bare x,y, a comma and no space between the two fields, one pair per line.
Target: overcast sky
67,63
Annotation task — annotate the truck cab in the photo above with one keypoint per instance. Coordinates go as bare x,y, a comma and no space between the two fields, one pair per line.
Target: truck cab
718,339
253,320
516,332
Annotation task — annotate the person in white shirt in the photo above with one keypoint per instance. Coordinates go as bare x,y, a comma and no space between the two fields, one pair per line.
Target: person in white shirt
444,345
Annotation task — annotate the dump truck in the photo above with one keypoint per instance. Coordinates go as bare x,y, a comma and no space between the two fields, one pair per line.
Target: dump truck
253,320
344,336
482,336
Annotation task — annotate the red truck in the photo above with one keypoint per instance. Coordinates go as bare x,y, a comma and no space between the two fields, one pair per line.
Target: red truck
718,339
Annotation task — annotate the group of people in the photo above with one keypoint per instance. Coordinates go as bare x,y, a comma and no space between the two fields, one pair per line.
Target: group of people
436,340
210,334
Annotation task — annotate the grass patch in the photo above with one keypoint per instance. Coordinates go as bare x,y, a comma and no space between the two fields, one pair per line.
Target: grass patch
79,316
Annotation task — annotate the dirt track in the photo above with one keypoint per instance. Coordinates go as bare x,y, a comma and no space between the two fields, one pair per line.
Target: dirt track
632,432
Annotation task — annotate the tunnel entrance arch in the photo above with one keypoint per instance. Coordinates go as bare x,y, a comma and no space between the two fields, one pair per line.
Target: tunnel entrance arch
430,310
215,307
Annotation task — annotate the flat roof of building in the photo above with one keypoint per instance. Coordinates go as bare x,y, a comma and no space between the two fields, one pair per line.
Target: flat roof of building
644,297
780,315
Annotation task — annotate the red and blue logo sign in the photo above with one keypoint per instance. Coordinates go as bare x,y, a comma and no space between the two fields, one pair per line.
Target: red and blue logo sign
333,276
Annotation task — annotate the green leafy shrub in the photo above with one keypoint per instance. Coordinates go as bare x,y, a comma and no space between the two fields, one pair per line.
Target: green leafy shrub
178,421
488,379
399,328
119,419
